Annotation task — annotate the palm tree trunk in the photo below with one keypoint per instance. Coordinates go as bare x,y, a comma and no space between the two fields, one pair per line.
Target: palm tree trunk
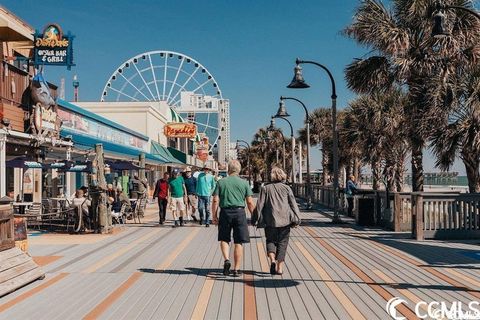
348,169
324,165
375,175
390,174
357,165
417,163
399,176
472,167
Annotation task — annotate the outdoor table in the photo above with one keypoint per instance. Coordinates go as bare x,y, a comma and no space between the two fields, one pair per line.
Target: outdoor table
21,206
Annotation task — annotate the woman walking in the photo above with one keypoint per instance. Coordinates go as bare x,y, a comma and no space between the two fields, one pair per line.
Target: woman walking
277,211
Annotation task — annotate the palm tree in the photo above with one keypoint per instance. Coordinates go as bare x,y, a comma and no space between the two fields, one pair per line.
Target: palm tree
263,153
320,135
460,134
376,123
406,55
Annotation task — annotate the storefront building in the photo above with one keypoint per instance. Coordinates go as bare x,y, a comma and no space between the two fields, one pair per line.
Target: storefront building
120,144
150,119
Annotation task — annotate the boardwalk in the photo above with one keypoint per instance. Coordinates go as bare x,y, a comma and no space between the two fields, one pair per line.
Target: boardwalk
152,272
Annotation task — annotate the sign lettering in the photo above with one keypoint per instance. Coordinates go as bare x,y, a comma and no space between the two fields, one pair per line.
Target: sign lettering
180,130
52,47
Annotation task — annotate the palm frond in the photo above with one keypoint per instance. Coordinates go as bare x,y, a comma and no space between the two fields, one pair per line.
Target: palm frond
369,75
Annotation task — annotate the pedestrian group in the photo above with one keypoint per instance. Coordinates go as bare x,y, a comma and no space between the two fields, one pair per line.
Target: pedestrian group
276,210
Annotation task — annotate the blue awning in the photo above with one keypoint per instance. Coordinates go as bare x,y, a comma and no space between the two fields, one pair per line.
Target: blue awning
111,150
23,162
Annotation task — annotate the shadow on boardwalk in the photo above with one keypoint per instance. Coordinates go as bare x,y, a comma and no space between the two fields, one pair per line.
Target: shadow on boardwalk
264,279
442,254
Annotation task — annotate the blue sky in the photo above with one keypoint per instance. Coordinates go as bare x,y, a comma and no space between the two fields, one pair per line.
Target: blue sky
249,46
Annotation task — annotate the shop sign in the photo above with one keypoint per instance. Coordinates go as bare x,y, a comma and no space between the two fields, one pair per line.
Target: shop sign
52,47
201,149
79,124
180,130
44,120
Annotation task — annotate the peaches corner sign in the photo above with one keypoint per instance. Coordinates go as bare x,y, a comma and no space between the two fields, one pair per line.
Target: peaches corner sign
180,130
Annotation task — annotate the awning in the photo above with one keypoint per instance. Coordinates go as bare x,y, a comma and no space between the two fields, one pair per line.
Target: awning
177,154
81,168
22,162
112,150
164,152
122,165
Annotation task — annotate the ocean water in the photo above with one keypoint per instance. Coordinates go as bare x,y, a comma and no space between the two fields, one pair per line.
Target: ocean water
451,181
460,181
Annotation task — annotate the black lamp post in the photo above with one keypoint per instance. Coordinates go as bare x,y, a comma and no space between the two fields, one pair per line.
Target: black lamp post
292,138
272,128
298,82
307,119
266,139
438,30
248,159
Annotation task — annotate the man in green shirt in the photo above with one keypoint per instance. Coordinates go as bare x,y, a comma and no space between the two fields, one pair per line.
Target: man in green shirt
231,194
177,192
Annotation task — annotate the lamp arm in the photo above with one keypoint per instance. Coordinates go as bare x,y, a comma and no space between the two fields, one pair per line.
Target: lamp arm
289,123
307,114
334,91
244,142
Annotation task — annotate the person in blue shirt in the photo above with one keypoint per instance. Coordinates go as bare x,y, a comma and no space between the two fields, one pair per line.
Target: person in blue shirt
350,191
191,186
205,187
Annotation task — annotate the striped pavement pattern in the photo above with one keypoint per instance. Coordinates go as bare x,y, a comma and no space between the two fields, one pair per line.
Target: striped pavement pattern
149,271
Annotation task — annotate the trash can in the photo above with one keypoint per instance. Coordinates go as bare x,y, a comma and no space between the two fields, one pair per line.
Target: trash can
366,211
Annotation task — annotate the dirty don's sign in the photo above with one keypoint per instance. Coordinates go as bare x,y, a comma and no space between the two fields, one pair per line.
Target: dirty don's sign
52,47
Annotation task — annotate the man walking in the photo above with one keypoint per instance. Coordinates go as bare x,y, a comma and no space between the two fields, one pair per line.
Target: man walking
161,192
177,194
191,187
205,187
350,191
231,194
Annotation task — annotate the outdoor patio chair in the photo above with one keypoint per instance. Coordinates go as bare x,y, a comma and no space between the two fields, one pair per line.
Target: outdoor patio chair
121,216
34,215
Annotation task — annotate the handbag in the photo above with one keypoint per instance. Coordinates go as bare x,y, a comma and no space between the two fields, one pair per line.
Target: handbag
294,219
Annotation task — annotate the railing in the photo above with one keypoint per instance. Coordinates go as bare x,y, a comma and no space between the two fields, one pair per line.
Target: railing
322,195
428,215
7,239
445,216
13,83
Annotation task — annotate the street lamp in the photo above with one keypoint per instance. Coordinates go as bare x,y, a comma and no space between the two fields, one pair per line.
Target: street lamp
307,119
298,82
266,139
248,159
281,115
272,128
438,30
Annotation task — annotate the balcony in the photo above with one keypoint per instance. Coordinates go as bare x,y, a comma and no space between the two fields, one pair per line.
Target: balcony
13,83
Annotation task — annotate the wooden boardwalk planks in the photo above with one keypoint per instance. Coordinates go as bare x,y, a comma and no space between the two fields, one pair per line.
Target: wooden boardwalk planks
331,272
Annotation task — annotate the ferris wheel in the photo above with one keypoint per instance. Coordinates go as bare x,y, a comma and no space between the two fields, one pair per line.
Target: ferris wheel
177,79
